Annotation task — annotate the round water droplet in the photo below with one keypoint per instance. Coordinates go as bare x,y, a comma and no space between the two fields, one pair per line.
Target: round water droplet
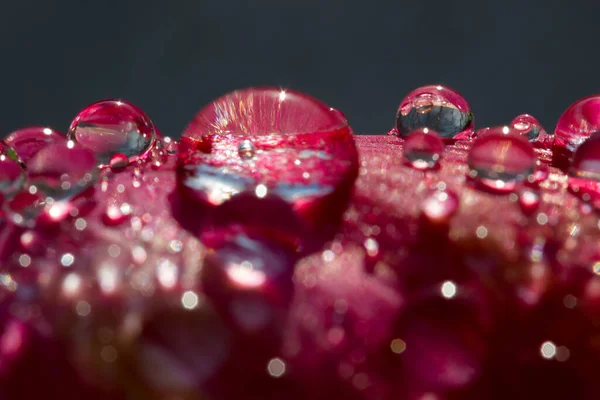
500,158
585,171
28,141
62,171
440,206
438,108
529,127
304,155
246,150
423,149
118,161
111,127
12,175
580,121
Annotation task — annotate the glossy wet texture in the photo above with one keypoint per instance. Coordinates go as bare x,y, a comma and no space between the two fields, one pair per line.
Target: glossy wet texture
423,149
28,141
428,288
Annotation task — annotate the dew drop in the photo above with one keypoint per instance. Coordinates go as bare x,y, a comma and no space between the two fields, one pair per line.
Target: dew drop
584,180
529,201
438,108
528,126
580,121
422,149
28,141
246,150
501,158
118,161
111,127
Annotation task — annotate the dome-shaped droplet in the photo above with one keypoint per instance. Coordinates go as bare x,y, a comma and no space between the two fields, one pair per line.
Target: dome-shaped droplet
28,141
246,150
438,108
303,153
500,158
112,127
423,149
529,200
580,121
12,175
62,170
528,126
56,174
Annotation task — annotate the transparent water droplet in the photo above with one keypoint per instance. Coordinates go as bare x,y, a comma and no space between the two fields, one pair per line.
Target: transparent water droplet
118,161
111,127
423,149
12,174
501,158
584,173
246,150
306,153
528,126
28,141
438,108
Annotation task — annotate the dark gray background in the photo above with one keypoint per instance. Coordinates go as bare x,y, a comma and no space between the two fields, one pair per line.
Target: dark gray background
170,58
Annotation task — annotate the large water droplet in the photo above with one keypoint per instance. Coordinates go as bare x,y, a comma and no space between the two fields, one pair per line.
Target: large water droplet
530,127
111,127
28,141
12,175
580,121
302,153
500,158
438,108
423,148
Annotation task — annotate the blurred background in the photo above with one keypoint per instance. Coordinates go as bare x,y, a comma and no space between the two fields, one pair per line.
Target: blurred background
170,58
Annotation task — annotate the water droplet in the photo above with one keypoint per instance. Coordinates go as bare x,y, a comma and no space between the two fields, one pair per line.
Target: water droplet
526,125
438,108
499,160
61,171
12,175
440,206
118,161
111,127
285,129
584,180
423,148
246,150
577,123
28,141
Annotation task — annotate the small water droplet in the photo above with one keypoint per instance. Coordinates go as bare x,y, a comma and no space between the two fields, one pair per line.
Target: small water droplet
246,150
529,127
499,160
118,161
438,108
423,148
111,127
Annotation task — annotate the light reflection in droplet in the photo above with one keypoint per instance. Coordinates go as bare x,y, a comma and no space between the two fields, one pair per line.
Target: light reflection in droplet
276,367
166,273
189,300
261,191
548,350
24,260
246,275
108,277
67,259
71,285
448,289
